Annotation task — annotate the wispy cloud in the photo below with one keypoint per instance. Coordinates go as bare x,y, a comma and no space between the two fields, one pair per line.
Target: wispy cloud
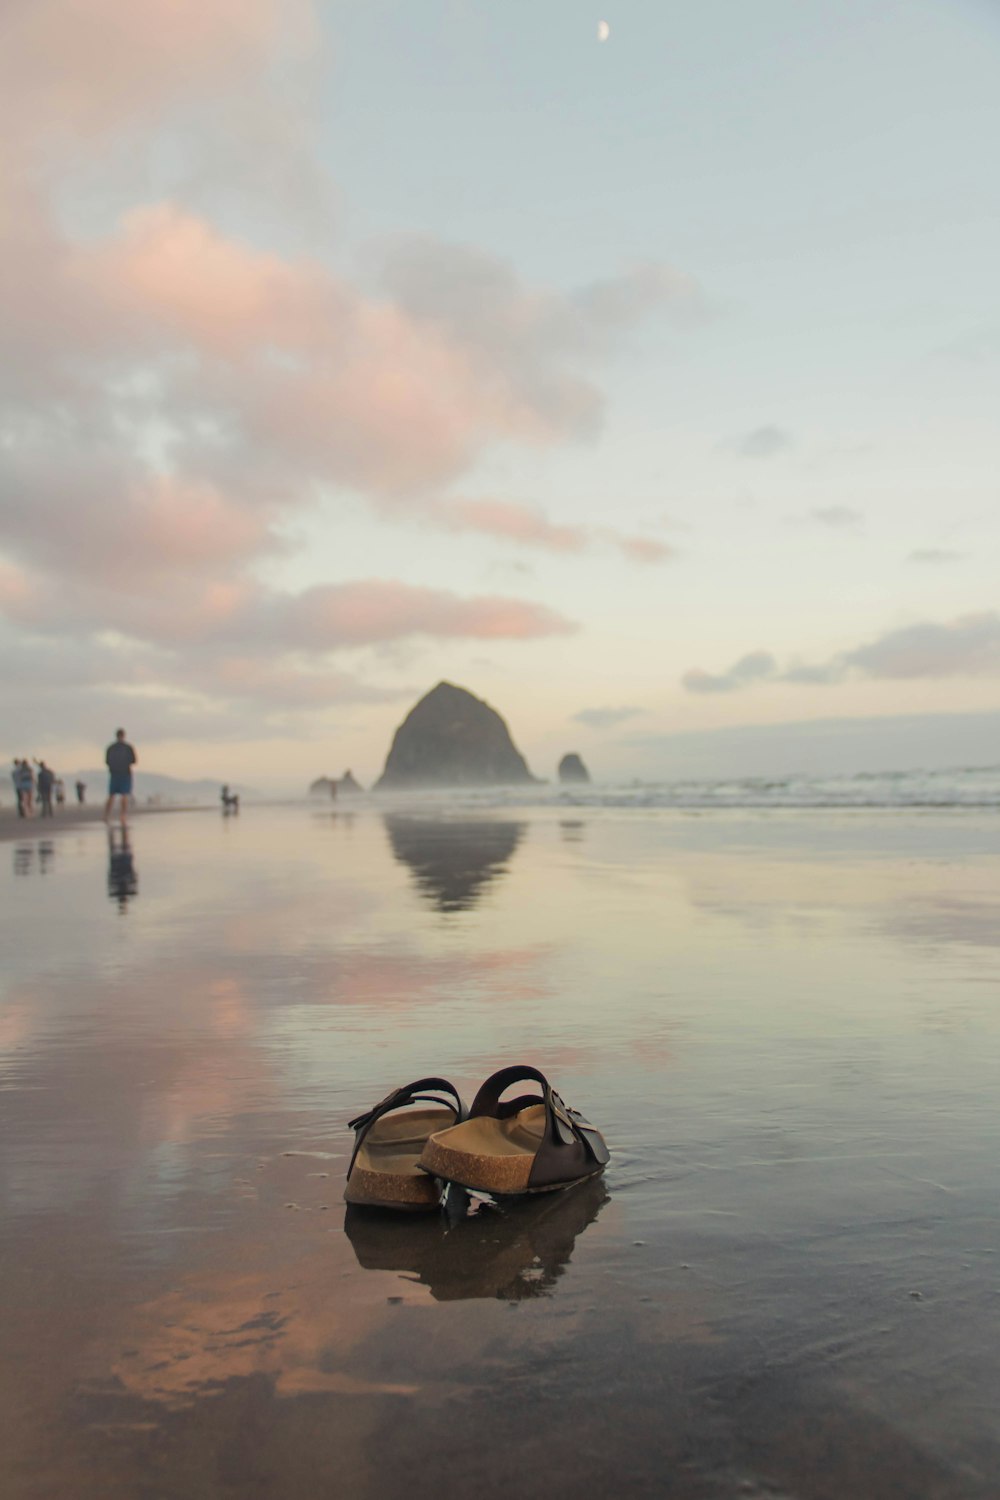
640,549
968,646
764,442
528,526
837,516
508,521
755,666
605,718
934,555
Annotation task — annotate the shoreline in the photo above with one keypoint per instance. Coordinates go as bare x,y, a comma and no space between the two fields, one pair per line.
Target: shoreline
13,827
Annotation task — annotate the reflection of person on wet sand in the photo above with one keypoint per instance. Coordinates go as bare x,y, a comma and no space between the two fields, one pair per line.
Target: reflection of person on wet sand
512,1251
123,882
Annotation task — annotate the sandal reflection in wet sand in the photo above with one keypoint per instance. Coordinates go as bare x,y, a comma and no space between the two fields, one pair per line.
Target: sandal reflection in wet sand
512,1252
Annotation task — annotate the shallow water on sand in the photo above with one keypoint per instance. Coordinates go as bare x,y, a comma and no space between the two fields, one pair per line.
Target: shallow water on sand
786,1284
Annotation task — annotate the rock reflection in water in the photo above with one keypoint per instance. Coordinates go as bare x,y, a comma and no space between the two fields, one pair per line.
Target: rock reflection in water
123,882
511,1251
453,862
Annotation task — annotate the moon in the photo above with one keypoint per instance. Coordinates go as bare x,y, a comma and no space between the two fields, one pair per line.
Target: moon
603,31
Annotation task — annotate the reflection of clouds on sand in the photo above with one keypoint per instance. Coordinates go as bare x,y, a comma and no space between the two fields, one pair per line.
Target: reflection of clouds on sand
210,1044
913,902
512,1251
17,1016
224,1325
283,1323
125,1100
971,921
402,978
453,862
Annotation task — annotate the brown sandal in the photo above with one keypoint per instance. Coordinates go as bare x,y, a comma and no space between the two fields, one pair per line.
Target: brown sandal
524,1145
384,1171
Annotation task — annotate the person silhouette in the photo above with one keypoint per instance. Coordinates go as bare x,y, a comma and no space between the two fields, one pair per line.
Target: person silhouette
119,758
16,778
46,783
24,786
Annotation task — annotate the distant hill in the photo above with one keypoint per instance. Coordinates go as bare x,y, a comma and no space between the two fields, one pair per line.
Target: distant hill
151,784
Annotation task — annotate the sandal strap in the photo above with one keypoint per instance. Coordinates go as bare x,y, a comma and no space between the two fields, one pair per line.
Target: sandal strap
563,1125
487,1100
423,1091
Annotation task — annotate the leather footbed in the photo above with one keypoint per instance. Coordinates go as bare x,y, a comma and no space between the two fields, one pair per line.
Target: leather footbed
386,1172
495,1156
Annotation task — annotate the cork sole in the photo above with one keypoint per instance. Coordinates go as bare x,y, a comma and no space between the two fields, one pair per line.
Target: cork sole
489,1156
386,1172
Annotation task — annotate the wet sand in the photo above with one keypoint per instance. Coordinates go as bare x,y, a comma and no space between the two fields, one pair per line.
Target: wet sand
72,815
786,1284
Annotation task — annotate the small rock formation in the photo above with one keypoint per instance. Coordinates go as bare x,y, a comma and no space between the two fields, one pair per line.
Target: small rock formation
451,738
329,786
572,769
324,786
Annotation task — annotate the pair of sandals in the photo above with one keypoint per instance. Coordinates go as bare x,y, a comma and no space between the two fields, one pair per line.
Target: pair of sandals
403,1157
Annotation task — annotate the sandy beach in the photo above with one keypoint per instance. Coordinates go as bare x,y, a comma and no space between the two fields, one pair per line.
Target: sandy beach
784,1284
72,815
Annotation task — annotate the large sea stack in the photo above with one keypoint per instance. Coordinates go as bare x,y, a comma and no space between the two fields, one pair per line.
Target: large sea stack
451,738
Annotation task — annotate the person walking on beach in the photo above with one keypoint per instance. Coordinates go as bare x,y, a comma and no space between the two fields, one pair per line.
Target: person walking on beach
15,777
119,759
24,785
81,792
46,781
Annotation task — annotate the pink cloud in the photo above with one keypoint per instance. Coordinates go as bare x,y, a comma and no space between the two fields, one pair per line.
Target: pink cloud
15,591
524,525
380,610
122,524
174,395
70,69
509,521
242,615
642,549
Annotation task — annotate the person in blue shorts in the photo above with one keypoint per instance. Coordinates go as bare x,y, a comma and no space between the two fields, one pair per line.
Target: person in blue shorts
119,759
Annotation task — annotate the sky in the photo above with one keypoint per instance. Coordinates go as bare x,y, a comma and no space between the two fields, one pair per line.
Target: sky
647,387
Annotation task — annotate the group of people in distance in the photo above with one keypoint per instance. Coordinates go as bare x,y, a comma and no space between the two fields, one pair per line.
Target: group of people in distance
46,785
119,758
